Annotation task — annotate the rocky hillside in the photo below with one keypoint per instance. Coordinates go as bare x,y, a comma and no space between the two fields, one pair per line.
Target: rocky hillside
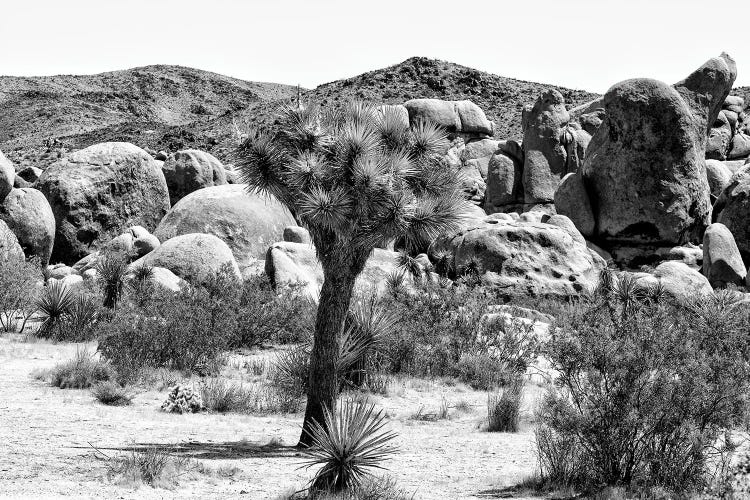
42,115
173,107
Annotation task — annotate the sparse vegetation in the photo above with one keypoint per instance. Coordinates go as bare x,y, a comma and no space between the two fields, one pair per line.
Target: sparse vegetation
112,269
111,393
18,281
503,408
182,399
647,389
81,372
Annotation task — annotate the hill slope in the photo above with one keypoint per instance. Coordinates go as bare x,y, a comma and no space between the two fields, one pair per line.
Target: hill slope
39,112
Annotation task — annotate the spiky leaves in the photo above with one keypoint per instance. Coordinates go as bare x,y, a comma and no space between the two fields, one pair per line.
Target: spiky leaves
327,210
347,444
53,304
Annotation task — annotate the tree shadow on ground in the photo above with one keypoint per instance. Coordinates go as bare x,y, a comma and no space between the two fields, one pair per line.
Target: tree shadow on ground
228,450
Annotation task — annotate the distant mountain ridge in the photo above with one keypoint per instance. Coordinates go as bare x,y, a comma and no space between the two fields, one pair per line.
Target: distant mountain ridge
174,107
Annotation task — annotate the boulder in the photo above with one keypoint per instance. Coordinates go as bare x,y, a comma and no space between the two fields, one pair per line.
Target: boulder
504,182
545,157
289,263
565,223
740,146
523,257
10,250
189,170
98,192
28,214
145,244
718,176
20,183
59,272
719,138
722,262
396,112
297,234
455,116
591,121
192,257
682,282
7,176
480,150
572,200
732,209
645,166
734,103
689,254
248,223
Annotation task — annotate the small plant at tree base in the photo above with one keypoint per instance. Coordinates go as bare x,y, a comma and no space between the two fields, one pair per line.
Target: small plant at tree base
111,393
347,445
182,399
111,270
355,179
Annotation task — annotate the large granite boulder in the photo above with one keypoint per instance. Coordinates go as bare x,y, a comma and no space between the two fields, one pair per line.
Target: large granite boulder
645,166
722,262
572,200
732,209
193,257
719,138
523,257
718,175
7,176
545,154
248,223
504,182
10,250
682,282
98,192
28,214
189,170
455,116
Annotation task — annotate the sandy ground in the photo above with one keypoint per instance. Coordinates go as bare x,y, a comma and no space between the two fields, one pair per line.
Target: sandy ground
46,436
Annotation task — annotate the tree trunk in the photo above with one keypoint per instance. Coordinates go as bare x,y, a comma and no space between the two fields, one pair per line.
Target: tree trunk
335,297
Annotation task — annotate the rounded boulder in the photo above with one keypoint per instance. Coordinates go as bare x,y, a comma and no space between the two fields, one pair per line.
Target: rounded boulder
28,214
190,170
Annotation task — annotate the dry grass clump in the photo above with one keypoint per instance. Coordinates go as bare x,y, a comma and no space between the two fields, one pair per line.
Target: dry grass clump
81,372
157,467
504,408
111,393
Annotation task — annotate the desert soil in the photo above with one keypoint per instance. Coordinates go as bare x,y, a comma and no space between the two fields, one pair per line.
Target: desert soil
47,434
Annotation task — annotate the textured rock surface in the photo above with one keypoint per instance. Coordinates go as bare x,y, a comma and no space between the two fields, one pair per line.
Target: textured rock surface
732,209
682,282
28,214
9,247
455,116
645,166
189,170
504,182
7,176
192,257
572,200
545,155
722,263
98,192
523,258
718,176
248,223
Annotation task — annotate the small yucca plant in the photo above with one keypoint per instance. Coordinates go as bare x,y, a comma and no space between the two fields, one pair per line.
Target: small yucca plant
141,283
53,305
111,271
347,445
81,317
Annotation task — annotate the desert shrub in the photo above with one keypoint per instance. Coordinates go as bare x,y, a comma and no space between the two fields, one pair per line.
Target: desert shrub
291,369
79,321
189,329
351,441
18,280
141,285
371,488
185,330
111,393
646,387
443,331
153,466
81,372
503,408
221,396
181,399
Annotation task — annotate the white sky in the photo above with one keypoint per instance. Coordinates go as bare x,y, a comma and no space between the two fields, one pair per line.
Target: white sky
588,44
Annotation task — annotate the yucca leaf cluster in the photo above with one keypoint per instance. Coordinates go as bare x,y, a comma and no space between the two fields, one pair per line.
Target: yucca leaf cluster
350,442
357,177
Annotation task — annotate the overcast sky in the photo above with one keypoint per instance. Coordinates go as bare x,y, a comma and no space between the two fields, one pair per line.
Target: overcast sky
587,44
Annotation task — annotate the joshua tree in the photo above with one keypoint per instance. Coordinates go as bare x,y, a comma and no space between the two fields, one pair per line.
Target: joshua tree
356,178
